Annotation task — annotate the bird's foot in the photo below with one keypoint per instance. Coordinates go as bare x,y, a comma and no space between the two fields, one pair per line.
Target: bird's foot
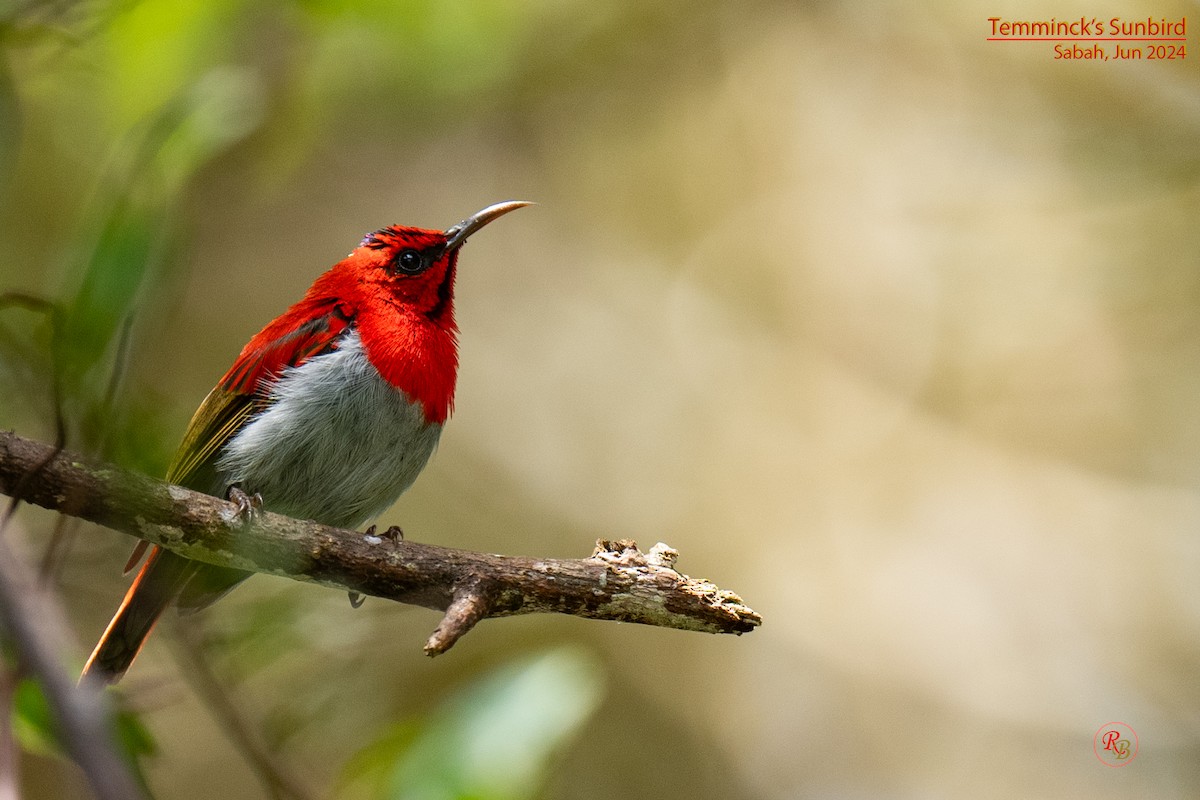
249,506
392,534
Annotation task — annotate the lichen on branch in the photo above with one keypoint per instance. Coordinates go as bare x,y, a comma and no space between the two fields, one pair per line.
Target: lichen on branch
616,582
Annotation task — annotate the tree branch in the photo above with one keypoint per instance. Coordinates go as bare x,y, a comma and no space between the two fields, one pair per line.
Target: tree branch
34,622
616,582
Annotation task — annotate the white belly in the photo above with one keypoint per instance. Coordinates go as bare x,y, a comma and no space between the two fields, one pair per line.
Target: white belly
337,444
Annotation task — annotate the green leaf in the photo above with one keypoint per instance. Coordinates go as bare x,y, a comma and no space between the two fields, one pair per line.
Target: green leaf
133,736
496,739
373,764
33,724
36,729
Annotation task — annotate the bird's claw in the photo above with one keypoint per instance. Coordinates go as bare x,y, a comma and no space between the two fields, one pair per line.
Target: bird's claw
392,534
249,506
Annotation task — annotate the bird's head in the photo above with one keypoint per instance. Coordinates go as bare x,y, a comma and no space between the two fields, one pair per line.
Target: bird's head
414,267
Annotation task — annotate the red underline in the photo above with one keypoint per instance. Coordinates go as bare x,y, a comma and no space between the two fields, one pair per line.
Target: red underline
1082,39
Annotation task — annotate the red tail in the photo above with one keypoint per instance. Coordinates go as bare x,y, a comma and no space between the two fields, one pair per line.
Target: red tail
160,581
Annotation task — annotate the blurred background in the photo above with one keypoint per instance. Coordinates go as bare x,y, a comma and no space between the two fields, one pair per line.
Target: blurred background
888,328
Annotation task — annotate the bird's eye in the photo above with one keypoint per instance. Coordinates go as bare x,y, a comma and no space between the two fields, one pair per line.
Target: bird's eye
410,261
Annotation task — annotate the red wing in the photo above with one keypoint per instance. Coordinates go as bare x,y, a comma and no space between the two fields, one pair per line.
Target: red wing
244,388
287,342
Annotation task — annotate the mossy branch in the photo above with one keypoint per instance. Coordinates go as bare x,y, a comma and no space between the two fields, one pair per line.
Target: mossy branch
617,582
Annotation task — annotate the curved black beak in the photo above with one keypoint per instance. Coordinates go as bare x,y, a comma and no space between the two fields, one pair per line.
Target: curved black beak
457,235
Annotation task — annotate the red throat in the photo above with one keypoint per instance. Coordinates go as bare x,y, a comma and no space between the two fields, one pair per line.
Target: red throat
416,354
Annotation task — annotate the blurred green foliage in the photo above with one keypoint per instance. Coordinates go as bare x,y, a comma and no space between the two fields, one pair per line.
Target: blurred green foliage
35,728
112,247
32,721
493,739
119,263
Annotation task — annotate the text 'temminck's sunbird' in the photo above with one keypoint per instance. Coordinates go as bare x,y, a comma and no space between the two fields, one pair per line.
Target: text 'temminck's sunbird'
329,413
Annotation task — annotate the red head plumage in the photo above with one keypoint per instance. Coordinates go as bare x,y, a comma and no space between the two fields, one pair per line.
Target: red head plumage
397,289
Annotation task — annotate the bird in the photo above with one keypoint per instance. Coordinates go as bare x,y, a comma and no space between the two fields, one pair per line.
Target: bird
329,413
